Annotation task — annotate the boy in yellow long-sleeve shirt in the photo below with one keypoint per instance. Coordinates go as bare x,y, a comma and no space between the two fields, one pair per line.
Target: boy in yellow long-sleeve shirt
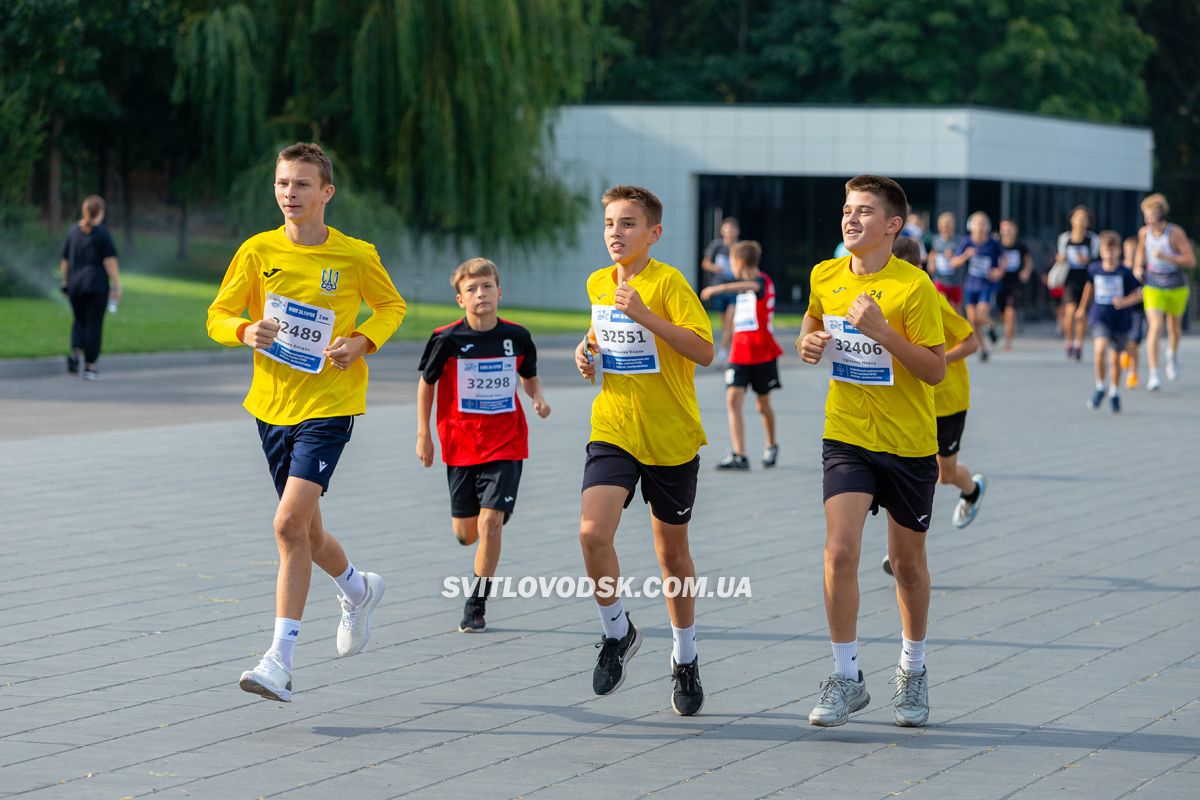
302,285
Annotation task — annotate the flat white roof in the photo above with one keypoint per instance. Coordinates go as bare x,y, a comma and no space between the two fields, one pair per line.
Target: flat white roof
926,142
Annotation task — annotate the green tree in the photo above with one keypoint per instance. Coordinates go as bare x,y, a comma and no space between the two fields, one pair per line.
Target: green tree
1078,58
46,42
751,51
220,56
21,137
443,108
1173,80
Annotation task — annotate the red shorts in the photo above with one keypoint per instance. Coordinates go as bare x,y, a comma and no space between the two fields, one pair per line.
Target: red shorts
953,293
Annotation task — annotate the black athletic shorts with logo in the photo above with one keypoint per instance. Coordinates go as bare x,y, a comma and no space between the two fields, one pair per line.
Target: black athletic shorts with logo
950,431
490,485
904,486
762,378
308,449
670,491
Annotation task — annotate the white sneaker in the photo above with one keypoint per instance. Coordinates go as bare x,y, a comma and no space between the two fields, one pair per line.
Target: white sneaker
965,510
1153,384
270,679
355,628
1172,368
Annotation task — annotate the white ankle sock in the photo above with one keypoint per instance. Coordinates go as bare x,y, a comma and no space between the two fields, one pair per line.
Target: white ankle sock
1099,386
912,655
613,619
287,631
352,584
684,649
845,659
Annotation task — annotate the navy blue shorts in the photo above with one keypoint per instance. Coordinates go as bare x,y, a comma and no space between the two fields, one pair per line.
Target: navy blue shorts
722,301
1138,331
978,292
308,450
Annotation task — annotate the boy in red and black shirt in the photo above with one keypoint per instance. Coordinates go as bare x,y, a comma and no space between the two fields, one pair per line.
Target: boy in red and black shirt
754,355
473,367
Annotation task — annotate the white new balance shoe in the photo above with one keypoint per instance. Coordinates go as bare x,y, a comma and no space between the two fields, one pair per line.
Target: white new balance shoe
355,628
270,679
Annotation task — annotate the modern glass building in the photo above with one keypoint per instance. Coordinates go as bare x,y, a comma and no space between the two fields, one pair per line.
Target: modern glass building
781,169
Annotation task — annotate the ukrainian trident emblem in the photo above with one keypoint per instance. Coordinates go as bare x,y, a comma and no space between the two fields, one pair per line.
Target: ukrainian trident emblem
329,281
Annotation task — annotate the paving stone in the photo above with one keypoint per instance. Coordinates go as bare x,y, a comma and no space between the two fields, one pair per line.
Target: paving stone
1063,637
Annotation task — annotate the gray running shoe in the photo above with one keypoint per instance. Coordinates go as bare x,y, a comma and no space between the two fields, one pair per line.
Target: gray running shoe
910,703
840,697
770,455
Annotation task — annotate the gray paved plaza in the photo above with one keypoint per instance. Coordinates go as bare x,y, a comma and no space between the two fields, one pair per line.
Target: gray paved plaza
136,531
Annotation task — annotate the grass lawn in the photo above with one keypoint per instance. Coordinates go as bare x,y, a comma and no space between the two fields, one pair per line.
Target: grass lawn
161,314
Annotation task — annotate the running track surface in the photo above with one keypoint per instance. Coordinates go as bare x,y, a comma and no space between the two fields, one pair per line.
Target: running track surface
1064,649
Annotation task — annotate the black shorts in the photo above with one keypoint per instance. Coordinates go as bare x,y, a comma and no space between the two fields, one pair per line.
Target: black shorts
1012,292
949,433
904,486
762,378
670,491
491,485
308,449
1073,288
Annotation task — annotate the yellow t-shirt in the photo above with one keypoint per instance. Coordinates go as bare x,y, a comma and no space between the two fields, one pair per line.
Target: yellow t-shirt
953,394
337,275
654,417
897,419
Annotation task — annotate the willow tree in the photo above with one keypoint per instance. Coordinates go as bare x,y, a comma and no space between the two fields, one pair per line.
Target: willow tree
444,108
452,102
221,75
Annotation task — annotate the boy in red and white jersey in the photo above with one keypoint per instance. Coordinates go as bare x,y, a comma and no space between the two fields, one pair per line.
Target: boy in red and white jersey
473,367
754,354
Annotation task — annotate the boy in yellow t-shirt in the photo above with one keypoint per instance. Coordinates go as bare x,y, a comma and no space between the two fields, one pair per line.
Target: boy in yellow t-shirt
878,318
649,331
951,399
302,285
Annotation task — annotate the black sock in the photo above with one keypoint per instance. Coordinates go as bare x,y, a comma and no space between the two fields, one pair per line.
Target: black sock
973,496
482,588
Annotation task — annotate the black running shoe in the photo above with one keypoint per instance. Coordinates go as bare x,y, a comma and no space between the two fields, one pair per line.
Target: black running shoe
614,655
733,461
688,697
473,611
991,331
73,362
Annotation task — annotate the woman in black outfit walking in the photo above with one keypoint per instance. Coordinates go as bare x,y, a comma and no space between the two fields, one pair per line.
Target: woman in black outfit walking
90,279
